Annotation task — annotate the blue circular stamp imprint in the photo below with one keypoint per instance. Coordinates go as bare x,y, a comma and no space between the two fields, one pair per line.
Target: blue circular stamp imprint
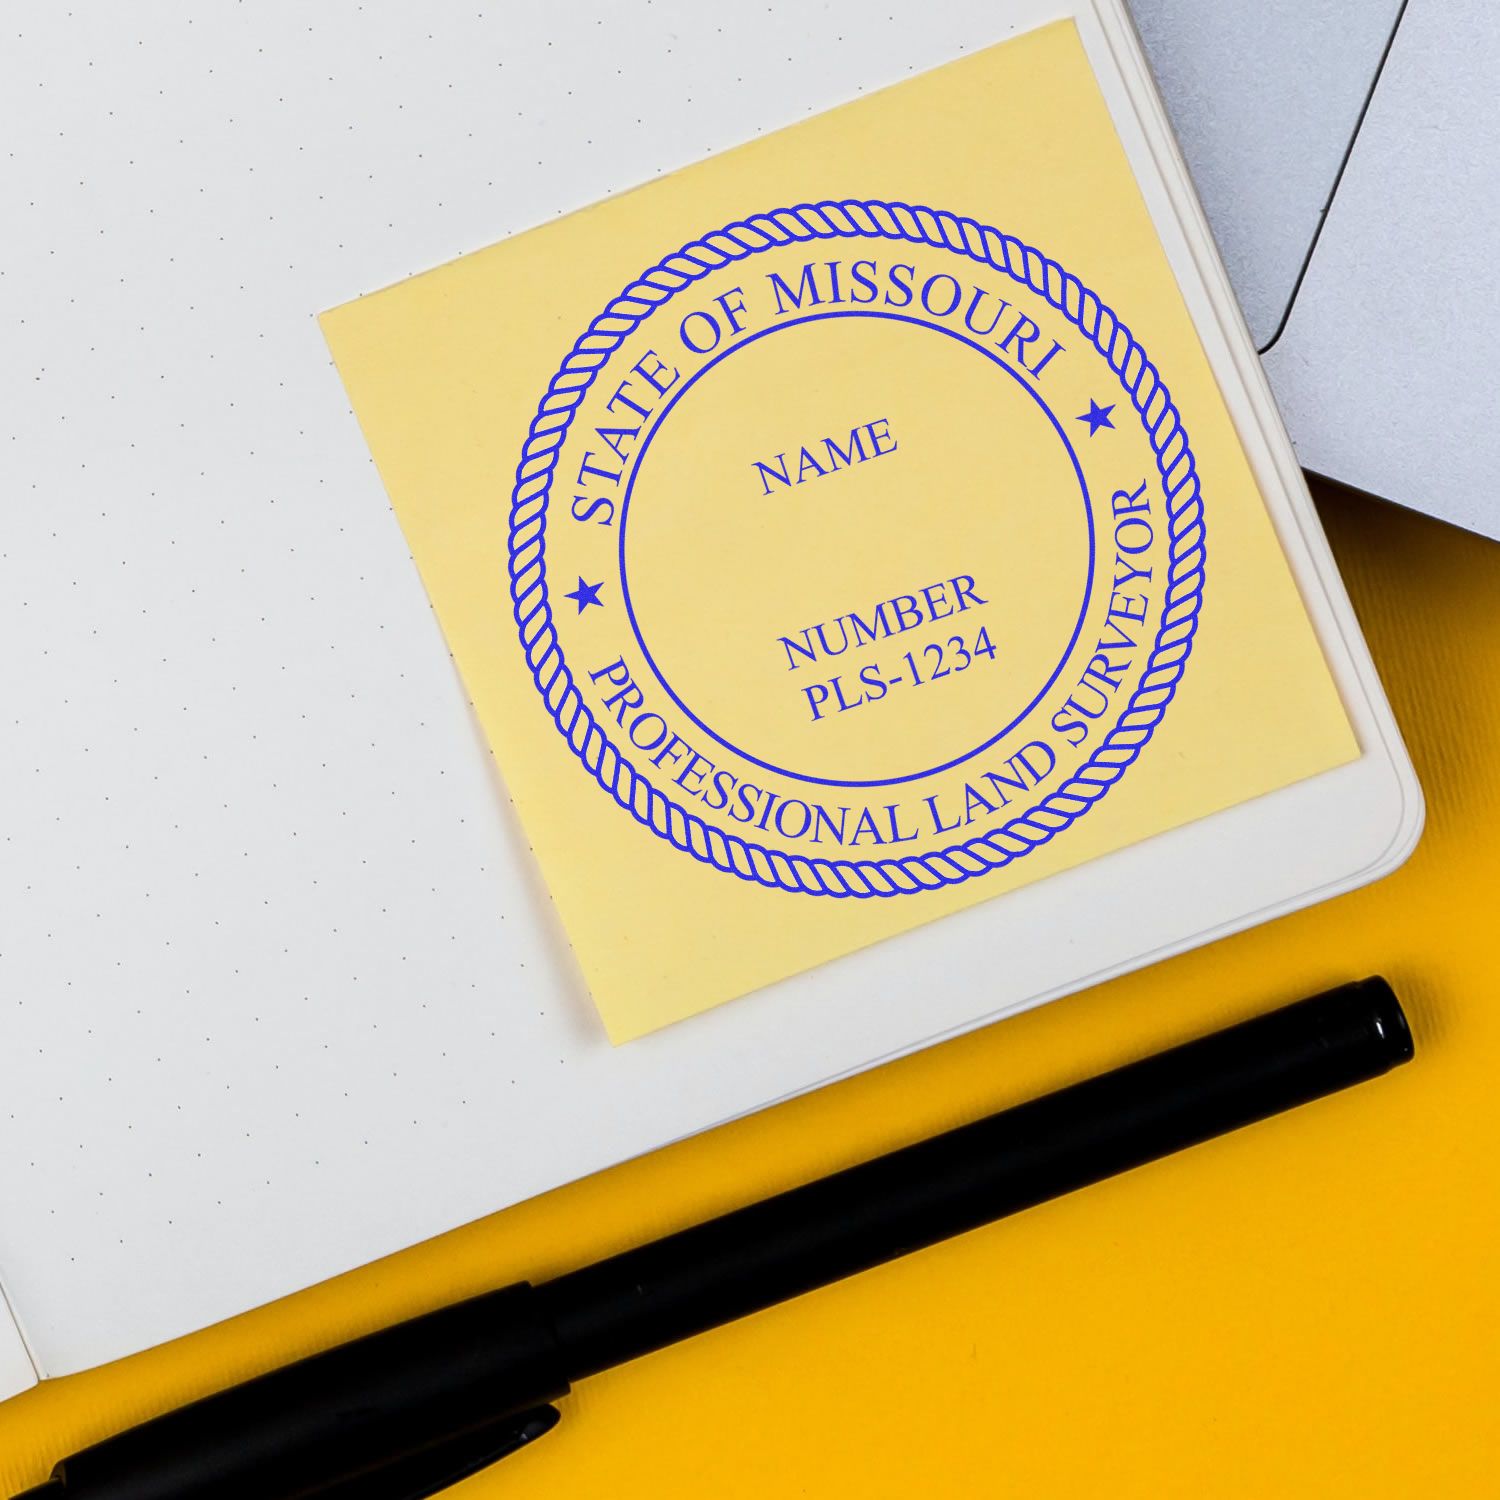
895,873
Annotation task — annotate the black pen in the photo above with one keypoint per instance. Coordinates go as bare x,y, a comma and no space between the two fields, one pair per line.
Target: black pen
403,1413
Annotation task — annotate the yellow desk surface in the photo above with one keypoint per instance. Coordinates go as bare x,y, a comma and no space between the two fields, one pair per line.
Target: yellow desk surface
1308,1308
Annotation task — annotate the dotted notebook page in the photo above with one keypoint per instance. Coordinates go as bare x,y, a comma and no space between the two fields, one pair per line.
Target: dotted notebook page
271,949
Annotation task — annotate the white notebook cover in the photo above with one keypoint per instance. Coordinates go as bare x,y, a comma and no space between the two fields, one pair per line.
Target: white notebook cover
280,985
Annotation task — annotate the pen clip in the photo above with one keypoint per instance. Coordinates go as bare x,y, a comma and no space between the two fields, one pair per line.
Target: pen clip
420,1475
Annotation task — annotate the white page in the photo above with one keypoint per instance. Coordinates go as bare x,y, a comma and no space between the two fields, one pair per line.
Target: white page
17,1373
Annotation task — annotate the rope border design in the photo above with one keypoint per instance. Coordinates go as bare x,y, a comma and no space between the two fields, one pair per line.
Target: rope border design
1018,836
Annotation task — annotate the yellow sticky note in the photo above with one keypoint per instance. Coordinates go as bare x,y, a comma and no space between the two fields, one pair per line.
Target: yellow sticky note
841,532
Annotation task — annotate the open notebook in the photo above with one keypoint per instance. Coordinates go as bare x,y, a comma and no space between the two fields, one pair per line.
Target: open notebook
289,967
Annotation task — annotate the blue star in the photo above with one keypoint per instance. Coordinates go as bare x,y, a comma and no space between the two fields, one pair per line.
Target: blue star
586,594
1097,416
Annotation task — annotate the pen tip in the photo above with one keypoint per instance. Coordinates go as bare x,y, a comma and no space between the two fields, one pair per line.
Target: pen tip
536,1424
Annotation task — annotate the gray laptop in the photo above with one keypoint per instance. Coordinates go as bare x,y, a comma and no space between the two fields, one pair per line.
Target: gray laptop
1348,155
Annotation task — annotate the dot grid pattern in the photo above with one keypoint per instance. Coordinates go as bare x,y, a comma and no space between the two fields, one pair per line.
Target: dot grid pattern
268,936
